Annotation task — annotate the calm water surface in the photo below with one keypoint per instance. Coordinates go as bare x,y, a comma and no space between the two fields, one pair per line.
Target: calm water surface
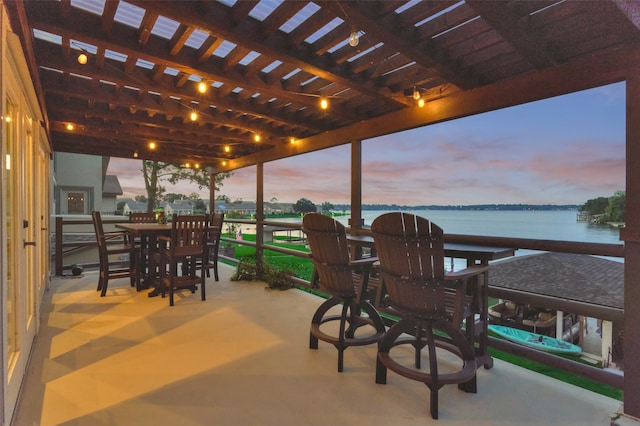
544,225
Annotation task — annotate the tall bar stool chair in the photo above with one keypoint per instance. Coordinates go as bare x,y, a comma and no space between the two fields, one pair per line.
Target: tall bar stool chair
433,307
184,251
345,280
110,244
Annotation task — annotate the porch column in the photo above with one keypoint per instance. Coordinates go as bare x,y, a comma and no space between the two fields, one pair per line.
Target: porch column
259,214
212,190
356,221
630,234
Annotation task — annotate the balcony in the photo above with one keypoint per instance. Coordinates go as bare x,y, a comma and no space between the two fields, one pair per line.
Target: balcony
242,357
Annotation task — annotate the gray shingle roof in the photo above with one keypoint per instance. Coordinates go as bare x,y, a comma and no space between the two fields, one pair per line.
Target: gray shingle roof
579,277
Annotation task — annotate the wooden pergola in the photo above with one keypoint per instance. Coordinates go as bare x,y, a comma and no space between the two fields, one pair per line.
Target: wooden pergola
383,67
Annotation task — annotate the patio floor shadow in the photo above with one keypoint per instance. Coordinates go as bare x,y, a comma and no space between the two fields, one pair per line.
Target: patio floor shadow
242,358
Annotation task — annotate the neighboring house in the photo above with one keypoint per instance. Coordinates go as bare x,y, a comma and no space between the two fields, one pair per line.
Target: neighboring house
110,191
132,206
178,207
82,184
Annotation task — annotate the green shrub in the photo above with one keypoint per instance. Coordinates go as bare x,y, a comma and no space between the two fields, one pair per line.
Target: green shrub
275,277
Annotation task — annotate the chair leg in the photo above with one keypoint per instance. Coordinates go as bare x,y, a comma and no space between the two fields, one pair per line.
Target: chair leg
105,283
343,332
203,295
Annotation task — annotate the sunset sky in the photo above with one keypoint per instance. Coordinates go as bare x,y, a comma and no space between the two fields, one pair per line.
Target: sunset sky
564,150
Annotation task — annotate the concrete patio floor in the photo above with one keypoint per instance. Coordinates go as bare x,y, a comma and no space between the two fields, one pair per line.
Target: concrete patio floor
241,358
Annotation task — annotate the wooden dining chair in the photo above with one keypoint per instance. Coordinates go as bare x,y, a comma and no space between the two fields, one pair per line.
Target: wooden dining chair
143,245
184,251
433,306
112,244
346,282
213,243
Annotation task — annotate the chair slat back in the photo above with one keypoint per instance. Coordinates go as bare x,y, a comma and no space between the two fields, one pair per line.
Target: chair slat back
188,234
411,254
142,217
329,253
99,229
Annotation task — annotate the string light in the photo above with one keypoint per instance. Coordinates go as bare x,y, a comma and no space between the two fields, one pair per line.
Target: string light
196,166
152,145
324,103
135,154
292,141
202,87
82,59
416,94
70,126
193,116
256,137
354,39
421,103
224,163
227,148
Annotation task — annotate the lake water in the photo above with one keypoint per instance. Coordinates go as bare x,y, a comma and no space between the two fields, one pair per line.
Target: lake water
544,225
547,225
538,224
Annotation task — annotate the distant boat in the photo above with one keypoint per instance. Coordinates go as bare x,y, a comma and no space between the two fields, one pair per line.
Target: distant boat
535,340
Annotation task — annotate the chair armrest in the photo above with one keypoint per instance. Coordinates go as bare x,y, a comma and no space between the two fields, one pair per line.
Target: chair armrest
367,261
466,273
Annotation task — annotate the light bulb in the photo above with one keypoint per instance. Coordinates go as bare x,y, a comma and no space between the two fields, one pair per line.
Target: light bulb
227,148
353,39
194,116
69,126
416,94
421,103
256,138
152,145
135,154
82,59
202,87
324,103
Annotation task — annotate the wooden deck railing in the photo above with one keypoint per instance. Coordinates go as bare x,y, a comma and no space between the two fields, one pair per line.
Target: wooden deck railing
599,249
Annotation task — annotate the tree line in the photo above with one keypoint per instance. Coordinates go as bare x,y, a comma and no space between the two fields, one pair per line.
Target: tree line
608,209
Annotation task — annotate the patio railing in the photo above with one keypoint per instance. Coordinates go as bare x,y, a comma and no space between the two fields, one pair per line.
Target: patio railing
61,248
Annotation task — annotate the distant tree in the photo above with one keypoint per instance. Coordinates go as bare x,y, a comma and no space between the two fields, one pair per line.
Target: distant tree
326,207
223,198
304,206
199,206
172,198
596,205
238,201
615,207
155,172
140,198
273,200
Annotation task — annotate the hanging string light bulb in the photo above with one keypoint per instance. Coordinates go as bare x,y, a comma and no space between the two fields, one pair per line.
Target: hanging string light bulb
416,93
193,116
202,87
82,59
324,103
354,39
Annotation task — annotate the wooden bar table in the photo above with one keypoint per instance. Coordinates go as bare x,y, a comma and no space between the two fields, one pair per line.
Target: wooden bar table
148,234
